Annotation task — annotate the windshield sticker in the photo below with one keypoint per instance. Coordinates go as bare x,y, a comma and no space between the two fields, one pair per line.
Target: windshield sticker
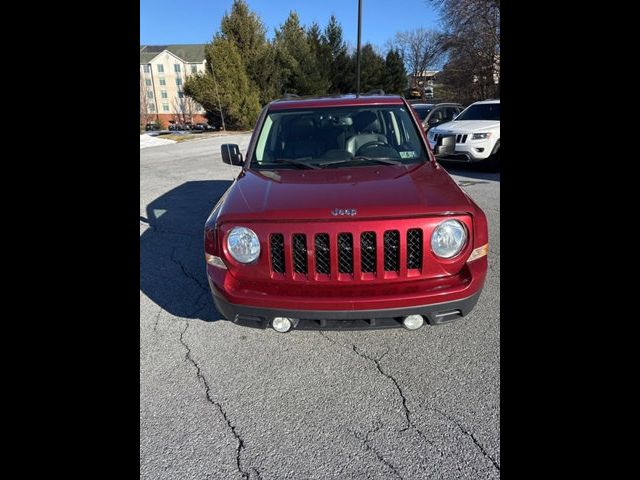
408,154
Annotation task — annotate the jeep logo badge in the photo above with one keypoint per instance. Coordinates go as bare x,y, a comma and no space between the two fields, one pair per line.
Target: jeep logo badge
344,211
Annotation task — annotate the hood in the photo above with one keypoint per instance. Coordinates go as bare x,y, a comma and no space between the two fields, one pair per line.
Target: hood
466,126
374,192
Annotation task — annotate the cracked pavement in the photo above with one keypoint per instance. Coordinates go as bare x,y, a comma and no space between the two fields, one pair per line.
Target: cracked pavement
221,401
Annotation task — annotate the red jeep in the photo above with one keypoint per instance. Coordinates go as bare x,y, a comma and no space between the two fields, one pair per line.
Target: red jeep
342,218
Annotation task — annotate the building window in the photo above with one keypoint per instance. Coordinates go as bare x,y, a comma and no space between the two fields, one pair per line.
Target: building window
165,107
148,82
163,82
152,107
178,81
163,94
181,94
194,69
146,68
150,94
176,68
160,68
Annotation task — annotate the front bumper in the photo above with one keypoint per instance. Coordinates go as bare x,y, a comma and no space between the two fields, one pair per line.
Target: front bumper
435,314
468,151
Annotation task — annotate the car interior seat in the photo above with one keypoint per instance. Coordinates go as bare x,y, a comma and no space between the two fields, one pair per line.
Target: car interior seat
302,139
368,129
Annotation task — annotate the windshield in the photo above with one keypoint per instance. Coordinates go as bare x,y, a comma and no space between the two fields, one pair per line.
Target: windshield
422,111
335,137
481,111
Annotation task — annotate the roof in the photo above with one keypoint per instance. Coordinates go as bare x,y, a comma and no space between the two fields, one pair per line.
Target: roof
487,101
188,52
335,101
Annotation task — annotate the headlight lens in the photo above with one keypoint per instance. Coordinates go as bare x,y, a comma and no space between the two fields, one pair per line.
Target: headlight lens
448,239
243,244
480,136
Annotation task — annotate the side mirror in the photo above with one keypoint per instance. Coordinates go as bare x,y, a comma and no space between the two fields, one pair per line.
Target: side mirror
445,145
434,121
231,154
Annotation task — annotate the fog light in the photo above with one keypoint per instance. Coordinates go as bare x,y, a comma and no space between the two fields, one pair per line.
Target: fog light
413,322
281,324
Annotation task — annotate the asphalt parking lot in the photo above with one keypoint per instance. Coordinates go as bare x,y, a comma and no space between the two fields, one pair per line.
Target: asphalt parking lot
222,401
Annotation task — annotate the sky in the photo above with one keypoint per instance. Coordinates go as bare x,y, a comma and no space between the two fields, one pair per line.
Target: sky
195,21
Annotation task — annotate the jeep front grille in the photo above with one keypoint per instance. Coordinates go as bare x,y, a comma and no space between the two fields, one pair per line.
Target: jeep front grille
347,255
460,138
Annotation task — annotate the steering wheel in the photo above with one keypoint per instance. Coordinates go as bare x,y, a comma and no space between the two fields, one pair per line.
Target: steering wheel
375,143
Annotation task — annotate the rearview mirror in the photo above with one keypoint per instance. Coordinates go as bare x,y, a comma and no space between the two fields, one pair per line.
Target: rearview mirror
231,154
445,145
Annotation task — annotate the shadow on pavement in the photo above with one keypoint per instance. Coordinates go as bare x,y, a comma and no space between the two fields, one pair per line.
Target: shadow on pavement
172,268
469,170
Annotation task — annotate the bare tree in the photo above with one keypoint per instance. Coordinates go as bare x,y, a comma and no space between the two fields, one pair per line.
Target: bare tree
185,108
420,49
472,44
145,115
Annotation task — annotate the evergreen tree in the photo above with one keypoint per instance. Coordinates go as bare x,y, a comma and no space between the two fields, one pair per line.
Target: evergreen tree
238,99
245,29
395,79
294,56
372,69
341,71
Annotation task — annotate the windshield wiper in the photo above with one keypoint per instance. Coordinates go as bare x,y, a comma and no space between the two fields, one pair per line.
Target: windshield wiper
361,158
297,163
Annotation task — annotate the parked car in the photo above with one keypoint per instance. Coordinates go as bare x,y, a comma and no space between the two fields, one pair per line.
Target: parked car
178,126
477,131
342,217
434,114
151,126
203,127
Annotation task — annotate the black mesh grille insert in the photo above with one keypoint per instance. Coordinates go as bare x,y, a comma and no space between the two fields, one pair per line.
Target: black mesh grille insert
323,264
277,252
368,252
392,251
414,248
345,253
299,253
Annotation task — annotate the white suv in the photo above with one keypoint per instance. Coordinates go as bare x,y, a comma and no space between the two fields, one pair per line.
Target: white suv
477,131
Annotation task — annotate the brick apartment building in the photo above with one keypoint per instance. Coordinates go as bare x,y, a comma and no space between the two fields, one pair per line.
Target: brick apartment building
163,70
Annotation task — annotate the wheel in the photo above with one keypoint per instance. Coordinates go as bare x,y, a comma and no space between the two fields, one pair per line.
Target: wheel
375,143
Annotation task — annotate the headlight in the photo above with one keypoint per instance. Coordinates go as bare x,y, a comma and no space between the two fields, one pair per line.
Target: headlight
480,136
243,244
448,239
